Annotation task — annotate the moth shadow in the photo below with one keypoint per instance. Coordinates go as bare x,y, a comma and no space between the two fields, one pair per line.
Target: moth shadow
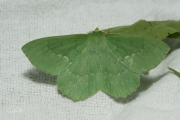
40,77
145,83
173,44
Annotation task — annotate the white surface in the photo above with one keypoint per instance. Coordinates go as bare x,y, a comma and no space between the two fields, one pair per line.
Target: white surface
28,94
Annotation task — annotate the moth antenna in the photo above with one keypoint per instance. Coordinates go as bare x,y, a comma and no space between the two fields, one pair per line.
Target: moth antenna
90,32
105,31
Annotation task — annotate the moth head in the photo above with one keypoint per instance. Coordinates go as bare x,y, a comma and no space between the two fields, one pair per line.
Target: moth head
96,30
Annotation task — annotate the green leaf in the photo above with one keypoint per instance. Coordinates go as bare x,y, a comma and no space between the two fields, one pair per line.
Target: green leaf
154,29
174,71
86,63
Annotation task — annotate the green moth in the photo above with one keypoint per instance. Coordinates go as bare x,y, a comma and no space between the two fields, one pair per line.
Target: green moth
100,60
